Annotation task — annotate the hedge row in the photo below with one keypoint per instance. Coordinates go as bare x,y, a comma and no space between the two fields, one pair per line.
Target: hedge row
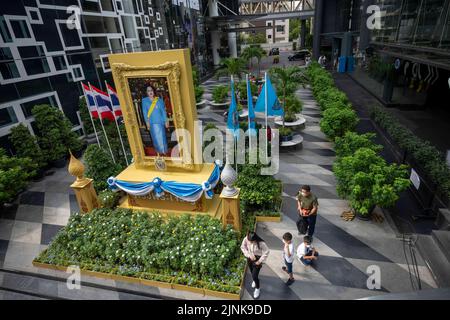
428,157
338,117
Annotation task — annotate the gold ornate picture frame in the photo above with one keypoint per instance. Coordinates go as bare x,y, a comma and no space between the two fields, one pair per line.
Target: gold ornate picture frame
167,74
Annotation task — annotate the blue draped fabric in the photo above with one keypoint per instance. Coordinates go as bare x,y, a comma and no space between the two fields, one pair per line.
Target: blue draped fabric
185,191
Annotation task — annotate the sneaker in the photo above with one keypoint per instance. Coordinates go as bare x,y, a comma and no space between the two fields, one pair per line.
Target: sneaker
290,281
256,293
253,284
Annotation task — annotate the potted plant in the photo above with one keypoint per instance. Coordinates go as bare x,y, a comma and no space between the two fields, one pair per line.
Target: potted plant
286,134
15,174
366,180
100,166
220,95
231,67
242,91
198,90
27,147
55,135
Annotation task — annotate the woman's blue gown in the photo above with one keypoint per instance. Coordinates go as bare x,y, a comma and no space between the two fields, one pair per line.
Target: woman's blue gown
158,120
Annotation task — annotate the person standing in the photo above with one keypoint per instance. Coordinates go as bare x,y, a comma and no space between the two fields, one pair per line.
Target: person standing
156,120
307,206
256,251
288,257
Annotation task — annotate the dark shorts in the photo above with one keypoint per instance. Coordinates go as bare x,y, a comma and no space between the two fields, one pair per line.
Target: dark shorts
288,266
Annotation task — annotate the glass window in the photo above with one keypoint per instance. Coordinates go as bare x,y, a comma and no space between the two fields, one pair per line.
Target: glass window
28,106
280,28
4,31
7,116
6,54
9,70
60,63
20,29
77,72
36,66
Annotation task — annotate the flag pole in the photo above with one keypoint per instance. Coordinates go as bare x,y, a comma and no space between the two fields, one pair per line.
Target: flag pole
101,122
266,103
249,96
117,125
234,131
90,115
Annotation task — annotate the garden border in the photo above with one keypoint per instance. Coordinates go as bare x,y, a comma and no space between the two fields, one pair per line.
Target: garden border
154,283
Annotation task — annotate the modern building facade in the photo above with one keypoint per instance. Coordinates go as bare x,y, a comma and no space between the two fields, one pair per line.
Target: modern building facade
49,46
411,36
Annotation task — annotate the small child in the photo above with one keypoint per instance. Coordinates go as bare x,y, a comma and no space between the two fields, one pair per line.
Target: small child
306,252
288,256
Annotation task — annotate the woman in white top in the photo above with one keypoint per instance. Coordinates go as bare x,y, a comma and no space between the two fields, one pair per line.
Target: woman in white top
256,251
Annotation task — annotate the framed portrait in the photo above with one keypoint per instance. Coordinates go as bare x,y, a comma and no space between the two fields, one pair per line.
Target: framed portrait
152,107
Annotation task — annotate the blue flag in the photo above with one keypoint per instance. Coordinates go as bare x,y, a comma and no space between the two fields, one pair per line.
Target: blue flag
274,107
233,116
251,111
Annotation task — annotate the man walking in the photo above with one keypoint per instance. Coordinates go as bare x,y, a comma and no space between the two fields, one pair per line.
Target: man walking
307,205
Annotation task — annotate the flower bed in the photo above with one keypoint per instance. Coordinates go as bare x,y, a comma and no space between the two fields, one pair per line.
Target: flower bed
191,251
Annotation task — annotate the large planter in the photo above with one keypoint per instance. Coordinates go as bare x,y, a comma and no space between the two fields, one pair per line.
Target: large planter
40,174
286,138
60,163
219,105
365,217
294,125
201,104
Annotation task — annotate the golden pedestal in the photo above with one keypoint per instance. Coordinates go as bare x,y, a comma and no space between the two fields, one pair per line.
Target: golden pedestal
83,187
86,195
231,212
169,204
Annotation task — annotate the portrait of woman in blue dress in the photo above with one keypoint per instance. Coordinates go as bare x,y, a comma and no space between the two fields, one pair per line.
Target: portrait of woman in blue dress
155,118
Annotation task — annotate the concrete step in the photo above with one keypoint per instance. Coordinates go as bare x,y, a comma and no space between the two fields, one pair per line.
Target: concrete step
442,238
435,259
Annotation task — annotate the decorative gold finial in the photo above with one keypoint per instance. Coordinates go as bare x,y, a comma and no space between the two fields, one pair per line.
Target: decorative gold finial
76,167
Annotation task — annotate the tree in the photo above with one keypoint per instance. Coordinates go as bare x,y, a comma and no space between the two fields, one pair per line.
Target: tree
287,80
231,67
253,51
26,145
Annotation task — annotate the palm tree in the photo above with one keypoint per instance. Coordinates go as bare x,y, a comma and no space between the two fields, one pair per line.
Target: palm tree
251,52
231,67
287,80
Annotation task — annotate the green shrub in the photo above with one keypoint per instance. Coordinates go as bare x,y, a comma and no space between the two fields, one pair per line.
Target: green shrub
55,135
193,250
85,117
258,192
15,174
242,89
428,157
198,93
114,141
293,105
285,131
100,166
366,180
220,94
109,199
352,141
336,122
26,145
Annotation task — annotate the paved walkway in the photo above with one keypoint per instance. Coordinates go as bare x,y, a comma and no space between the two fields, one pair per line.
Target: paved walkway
347,248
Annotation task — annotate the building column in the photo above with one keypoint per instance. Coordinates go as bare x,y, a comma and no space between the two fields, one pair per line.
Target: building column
215,46
318,15
302,33
232,45
364,33
273,31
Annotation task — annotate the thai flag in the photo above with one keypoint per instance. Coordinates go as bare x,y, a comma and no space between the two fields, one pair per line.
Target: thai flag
103,103
90,101
114,101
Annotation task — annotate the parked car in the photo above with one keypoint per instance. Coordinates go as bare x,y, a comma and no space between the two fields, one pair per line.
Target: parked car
299,55
274,52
